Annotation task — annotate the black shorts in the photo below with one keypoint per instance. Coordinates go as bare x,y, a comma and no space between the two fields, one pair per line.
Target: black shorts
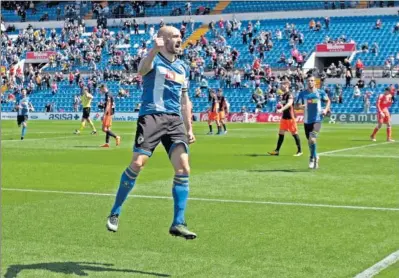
21,119
86,113
152,129
312,127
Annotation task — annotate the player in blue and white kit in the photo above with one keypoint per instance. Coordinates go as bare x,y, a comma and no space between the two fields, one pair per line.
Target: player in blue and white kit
310,100
23,106
165,116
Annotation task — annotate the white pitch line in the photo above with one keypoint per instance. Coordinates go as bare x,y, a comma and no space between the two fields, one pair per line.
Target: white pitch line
33,139
354,148
205,199
381,265
363,156
58,137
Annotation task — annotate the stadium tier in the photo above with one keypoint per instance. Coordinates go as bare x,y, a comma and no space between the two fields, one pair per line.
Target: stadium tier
360,29
55,10
237,98
58,10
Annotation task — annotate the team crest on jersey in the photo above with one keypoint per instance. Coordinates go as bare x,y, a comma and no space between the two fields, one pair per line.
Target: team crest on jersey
140,139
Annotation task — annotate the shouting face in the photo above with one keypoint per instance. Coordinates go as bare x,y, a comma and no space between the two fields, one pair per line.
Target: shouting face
172,39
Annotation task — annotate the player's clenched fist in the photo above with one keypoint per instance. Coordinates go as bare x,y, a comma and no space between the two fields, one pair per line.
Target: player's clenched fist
158,43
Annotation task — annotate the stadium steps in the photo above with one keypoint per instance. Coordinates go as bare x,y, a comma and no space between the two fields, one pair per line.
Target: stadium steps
89,15
201,31
362,5
220,7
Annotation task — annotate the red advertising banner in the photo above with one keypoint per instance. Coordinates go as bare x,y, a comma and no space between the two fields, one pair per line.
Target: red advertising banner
34,56
253,117
338,47
275,118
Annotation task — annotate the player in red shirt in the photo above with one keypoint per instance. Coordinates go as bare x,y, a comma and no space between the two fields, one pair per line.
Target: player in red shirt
384,101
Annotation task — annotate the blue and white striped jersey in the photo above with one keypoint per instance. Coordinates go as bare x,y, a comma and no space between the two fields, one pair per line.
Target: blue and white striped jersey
23,105
312,102
162,86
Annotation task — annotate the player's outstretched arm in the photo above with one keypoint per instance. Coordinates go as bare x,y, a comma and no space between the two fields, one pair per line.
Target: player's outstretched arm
186,107
146,64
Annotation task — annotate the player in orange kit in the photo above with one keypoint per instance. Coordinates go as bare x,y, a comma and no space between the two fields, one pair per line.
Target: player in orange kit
109,110
384,101
213,114
223,111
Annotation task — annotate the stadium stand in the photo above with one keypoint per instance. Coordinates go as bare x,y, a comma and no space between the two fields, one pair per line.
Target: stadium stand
112,56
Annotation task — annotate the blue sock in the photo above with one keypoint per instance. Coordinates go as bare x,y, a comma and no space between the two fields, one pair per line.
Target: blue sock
128,179
312,148
23,131
180,194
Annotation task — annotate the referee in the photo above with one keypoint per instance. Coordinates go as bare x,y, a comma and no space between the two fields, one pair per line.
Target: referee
86,103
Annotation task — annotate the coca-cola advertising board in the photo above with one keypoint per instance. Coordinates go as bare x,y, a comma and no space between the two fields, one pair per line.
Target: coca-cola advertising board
39,57
253,117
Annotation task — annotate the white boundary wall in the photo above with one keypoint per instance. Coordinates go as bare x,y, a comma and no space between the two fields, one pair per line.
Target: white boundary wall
132,117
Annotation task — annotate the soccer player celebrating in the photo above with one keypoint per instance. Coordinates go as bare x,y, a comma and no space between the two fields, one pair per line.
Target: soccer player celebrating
223,110
287,122
164,116
109,110
86,103
310,100
384,101
23,106
213,114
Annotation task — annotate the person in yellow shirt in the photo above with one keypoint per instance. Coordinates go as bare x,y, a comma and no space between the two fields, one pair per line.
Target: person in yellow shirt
86,103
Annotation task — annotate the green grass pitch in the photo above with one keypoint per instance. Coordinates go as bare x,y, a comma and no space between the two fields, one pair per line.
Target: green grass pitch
255,215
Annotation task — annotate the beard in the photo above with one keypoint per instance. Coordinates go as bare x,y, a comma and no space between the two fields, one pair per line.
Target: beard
174,48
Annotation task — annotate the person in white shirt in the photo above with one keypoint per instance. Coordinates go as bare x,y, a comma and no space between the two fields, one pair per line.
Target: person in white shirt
237,79
356,92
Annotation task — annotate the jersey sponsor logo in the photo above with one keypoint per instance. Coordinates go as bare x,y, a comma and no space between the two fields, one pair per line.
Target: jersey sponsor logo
173,76
312,101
